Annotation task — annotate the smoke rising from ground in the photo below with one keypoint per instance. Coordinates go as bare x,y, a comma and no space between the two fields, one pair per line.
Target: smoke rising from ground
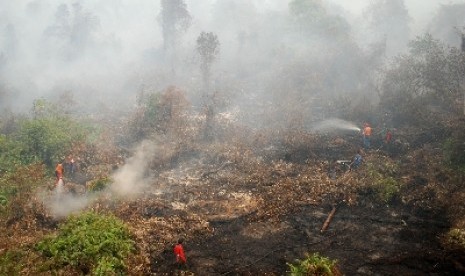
132,178
61,204
275,65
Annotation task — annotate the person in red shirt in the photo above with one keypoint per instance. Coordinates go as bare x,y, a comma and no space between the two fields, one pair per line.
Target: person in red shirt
388,137
179,253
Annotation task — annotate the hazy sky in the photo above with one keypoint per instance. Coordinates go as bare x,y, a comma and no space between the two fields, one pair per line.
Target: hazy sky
420,10
127,38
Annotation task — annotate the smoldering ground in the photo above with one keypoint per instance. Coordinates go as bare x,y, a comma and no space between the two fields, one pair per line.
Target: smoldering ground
128,182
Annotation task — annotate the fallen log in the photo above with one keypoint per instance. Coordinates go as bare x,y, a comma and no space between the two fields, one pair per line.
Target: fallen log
328,220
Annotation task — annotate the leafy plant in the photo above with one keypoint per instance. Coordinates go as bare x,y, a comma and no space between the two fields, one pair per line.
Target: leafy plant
423,86
10,262
386,188
48,139
99,184
453,151
9,154
89,242
18,185
314,264
456,238
3,200
208,47
44,137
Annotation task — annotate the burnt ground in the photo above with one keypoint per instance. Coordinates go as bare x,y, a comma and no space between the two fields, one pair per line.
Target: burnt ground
262,216
366,240
242,215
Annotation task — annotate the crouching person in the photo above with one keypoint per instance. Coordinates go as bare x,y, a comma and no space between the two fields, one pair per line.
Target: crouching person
357,161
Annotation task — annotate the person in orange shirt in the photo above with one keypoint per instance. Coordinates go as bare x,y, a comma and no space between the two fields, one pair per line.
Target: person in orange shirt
366,135
59,170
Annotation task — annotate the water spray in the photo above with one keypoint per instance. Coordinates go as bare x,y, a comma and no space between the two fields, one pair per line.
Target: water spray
60,188
333,124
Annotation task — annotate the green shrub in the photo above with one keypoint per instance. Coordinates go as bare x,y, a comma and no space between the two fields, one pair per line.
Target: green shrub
99,184
17,186
456,238
10,262
314,265
386,189
453,152
3,200
47,139
89,242
9,154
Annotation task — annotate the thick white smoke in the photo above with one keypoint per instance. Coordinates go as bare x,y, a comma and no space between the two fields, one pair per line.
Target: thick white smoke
61,203
132,179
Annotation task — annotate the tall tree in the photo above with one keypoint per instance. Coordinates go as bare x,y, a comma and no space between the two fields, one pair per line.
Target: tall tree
208,47
312,18
174,19
424,82
74,29
389,21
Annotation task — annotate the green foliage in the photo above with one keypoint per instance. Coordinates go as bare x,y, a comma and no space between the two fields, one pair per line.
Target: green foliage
20,183
10,262
108,266
424,84
307,9
146,117
384,186
389,18
92,242
456,238
311,17
99,184
3,200
174,20
152,106
454,149
157,112
46,137
208,47
9,154
314,265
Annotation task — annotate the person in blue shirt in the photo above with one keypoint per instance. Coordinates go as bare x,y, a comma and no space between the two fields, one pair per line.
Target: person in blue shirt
357,161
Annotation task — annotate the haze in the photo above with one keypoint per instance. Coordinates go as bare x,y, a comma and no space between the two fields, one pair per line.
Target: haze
101,54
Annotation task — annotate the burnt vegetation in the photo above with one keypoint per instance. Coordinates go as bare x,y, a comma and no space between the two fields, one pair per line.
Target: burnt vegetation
241,155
